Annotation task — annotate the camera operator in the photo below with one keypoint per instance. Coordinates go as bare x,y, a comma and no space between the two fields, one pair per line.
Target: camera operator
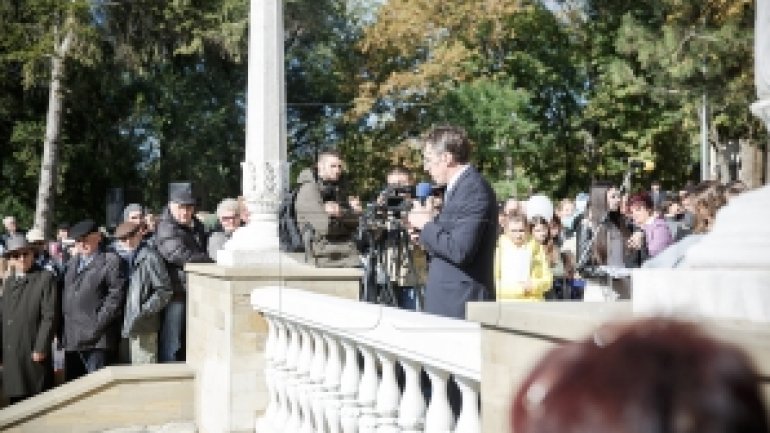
324,214
395,268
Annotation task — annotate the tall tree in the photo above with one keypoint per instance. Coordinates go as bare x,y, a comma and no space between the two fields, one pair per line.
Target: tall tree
63,40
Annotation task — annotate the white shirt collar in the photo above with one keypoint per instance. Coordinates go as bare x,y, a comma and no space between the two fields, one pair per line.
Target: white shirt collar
451,184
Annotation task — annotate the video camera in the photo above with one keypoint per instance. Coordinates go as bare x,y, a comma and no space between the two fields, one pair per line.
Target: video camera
397,199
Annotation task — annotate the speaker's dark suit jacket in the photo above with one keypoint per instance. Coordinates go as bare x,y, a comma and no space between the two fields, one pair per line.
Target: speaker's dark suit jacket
461,245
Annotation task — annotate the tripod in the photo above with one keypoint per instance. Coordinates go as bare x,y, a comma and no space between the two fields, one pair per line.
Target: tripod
390,253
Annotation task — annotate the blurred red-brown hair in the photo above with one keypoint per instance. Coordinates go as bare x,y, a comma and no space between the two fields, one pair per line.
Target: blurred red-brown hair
652,376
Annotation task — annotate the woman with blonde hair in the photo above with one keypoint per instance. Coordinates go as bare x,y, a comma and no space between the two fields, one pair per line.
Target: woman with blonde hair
522,270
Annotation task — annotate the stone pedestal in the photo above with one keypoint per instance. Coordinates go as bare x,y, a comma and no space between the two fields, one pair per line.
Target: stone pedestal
515,335
725,275
226,338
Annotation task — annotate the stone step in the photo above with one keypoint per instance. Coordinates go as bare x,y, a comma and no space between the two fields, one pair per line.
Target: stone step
172,427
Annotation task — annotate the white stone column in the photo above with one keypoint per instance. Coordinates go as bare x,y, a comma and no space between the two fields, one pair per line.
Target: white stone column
265,171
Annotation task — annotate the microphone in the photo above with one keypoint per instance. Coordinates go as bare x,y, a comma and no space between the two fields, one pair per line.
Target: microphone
422,191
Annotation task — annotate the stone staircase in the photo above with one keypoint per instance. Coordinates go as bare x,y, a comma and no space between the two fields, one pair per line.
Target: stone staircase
172,427
141,398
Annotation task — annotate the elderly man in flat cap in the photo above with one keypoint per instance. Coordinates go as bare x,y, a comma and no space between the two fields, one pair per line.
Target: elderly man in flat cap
92,303
28,316
180,239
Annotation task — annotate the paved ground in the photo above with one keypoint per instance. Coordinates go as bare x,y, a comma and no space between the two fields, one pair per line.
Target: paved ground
174,427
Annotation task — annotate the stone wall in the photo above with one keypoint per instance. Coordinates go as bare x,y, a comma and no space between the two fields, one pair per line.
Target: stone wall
226,337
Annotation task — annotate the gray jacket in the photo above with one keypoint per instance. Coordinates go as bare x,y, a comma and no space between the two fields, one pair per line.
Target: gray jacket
149,290
333,244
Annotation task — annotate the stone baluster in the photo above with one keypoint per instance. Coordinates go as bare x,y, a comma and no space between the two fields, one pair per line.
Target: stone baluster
292,391
264,422
330,405
367,392
280,372
318,363
349,383
316,387
438,418
469,420
304,384
388,395
411,411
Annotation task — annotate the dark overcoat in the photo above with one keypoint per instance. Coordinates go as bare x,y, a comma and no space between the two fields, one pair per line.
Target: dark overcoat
28,314
92,303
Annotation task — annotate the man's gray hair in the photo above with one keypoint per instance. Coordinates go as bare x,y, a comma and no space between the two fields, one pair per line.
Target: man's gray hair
228,205
452,139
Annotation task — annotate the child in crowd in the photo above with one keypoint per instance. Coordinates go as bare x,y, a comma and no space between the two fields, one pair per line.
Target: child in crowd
522,270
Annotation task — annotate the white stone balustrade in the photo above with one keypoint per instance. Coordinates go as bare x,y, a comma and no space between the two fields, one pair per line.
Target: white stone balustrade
333,366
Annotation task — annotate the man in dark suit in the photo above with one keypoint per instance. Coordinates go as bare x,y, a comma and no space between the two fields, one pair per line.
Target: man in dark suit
460,240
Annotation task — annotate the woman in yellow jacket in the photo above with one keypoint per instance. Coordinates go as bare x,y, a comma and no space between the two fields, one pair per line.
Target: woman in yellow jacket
522,270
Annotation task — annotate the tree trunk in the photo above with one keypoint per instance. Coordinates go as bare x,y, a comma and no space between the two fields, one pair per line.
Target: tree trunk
46,193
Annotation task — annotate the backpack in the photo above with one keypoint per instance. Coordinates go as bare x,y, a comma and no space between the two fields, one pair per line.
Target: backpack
289,236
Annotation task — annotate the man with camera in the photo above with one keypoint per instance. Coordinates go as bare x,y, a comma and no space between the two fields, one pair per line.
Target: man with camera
395,268
324,214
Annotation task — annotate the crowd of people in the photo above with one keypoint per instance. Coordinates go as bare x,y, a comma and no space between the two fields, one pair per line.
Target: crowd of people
558,253
87,299
523,248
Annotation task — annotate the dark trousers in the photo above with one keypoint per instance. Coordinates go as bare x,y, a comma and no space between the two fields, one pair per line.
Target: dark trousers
14,400
407,298
171,344
81,362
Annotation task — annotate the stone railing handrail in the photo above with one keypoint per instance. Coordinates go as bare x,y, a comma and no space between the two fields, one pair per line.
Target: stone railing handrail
436,339
314,348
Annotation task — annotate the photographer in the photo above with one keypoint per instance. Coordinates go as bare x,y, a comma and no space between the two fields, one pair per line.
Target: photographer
395,268
325,215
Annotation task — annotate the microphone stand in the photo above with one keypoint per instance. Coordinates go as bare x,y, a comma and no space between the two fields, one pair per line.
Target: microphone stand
583,257
626,185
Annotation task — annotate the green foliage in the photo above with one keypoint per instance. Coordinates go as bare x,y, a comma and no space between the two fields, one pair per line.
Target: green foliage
520,186
551,97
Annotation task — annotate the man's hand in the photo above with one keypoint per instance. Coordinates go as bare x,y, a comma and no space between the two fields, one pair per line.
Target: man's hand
333,209
414,236
38,356
355,204
420,214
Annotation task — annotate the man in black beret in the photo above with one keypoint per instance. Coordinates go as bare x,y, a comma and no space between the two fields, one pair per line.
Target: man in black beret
180,239
92,303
